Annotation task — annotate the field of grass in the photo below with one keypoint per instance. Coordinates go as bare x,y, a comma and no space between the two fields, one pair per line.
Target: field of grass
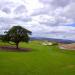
42,60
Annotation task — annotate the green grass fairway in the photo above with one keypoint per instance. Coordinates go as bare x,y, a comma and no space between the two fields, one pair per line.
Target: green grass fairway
42,60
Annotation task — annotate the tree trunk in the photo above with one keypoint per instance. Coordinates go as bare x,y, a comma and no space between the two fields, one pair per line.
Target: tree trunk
17,45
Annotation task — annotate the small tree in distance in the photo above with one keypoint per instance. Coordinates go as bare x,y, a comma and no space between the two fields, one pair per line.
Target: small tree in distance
17,34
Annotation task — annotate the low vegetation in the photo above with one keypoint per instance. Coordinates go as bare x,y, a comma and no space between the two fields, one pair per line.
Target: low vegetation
42,60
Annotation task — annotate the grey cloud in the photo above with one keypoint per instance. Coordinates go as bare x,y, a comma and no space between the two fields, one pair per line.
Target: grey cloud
50,6
23,19
56,21
69,11
40,11
46,9
6,6
4,27
20,9
48,23
46,1
19,14
8,21
61,3
56,3
6,10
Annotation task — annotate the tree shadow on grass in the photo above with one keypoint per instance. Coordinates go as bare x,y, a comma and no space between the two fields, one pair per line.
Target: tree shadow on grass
14,49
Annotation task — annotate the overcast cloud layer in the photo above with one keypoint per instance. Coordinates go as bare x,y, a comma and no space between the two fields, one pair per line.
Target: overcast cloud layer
45,18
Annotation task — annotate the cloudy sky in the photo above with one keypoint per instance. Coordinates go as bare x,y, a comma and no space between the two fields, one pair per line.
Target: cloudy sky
45,18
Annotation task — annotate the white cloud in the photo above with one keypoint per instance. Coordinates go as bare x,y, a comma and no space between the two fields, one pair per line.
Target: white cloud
40,16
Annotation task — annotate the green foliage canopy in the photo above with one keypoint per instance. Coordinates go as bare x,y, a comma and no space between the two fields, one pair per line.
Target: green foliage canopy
17,34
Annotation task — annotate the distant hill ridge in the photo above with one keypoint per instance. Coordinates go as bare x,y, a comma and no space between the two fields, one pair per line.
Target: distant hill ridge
53,40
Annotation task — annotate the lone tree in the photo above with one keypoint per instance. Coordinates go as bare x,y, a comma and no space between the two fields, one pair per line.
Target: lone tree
17,34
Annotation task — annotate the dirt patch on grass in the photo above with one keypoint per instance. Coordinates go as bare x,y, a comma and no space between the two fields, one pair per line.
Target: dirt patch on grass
71,66
68,67
67,46
14,49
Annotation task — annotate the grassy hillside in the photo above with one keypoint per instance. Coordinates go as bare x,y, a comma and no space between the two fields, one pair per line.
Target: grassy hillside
42,60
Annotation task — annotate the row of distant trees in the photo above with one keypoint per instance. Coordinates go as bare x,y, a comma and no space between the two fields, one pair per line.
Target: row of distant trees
15,35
